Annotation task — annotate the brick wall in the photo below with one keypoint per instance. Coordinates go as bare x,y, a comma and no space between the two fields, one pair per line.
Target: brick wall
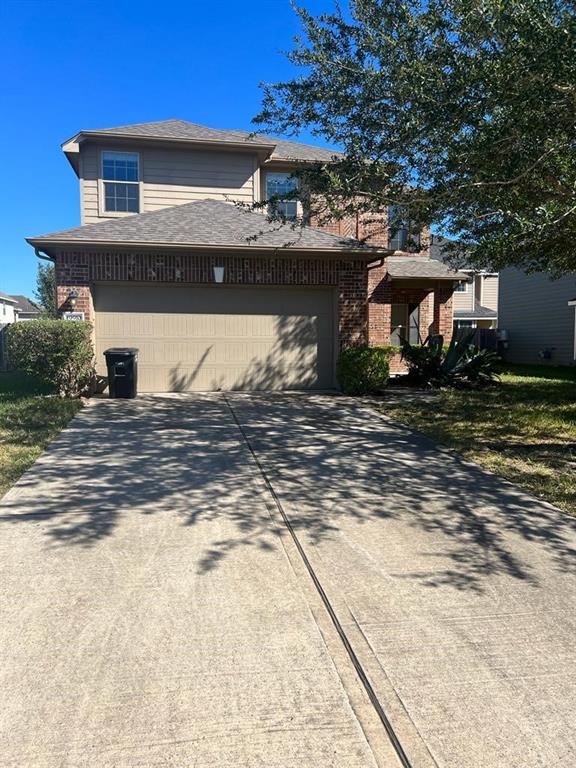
365,298
442,321
435,303
372,229
379,306
80,270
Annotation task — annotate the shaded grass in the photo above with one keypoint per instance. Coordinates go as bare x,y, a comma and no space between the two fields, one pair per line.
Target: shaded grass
29,420
523,429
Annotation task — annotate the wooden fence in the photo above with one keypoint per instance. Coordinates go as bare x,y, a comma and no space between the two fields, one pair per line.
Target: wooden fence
484,338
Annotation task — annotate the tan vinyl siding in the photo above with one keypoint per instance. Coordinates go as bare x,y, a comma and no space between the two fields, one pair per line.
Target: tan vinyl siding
463,301
490,292
172,177
535,312
89,165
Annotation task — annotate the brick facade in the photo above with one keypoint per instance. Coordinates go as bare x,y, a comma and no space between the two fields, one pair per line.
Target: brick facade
365,296
383,293
80,270
443,317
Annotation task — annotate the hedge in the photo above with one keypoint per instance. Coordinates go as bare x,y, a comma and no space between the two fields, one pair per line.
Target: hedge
364,370
57,352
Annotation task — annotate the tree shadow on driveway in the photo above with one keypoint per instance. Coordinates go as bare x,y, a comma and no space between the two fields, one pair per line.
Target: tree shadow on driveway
332,462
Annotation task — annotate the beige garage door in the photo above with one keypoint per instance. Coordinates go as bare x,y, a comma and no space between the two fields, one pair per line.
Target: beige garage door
220,337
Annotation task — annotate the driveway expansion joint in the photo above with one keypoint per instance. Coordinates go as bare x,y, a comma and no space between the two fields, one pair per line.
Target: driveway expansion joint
360,671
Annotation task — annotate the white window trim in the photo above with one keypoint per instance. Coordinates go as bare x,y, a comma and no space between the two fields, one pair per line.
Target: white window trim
101,197
299,208
465,283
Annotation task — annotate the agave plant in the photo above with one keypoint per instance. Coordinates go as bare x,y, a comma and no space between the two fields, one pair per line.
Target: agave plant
461,364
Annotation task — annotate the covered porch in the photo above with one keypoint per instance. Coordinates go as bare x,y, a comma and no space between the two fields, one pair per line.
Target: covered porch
410,298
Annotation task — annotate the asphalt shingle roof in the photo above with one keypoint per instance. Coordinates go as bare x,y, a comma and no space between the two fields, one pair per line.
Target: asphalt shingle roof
23,304
438,252
202,223
479,312
405,267
182,129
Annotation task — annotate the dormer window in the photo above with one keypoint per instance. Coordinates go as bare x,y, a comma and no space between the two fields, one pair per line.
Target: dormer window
121,181
279,185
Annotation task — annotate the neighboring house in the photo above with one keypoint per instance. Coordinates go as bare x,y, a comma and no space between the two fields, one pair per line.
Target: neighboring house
7,316
538,314
25,309
475,299
213,295
7,307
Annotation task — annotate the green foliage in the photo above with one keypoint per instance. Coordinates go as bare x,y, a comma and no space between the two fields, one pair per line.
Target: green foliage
461,364
45,292
465,111
56,352
363,370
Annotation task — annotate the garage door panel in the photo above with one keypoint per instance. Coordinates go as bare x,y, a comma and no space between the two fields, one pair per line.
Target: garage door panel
226,337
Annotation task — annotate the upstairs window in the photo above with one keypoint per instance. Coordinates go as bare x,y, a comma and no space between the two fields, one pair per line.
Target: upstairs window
461,287
121,177
402,234
279,185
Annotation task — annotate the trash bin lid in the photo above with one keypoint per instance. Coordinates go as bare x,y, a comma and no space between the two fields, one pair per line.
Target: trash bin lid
126,351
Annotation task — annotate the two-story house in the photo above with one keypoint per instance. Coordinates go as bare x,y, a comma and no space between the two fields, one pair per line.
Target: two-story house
214,295
475,301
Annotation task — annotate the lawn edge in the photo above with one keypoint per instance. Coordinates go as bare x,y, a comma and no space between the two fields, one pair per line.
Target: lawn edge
373,408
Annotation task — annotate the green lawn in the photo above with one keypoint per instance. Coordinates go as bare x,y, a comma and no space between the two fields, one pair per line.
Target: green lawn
29,420
523,429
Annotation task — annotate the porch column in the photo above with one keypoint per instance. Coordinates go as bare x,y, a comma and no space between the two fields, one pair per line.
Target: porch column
352,311
443,315
379,307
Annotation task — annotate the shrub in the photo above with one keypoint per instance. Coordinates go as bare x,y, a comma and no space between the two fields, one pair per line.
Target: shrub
363,370
57,352
460,364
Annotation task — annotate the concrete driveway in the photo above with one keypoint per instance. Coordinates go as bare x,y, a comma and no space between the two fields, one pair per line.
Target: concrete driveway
157,610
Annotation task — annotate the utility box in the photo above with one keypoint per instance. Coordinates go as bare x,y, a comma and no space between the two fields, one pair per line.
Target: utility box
122,364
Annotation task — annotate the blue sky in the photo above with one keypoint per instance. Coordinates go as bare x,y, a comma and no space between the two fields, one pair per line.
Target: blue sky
71,65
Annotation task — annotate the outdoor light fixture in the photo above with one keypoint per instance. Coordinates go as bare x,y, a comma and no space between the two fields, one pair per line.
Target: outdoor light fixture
72,297
218,274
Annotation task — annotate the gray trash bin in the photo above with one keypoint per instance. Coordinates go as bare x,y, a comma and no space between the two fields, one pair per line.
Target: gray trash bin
122,364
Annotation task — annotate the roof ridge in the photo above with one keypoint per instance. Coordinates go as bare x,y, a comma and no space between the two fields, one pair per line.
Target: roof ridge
251,135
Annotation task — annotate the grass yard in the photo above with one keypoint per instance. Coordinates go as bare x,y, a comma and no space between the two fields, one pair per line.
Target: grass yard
524,429
29,420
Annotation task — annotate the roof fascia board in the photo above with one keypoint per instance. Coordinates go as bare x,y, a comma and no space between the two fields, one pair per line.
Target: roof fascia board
75,245
264,146
452,278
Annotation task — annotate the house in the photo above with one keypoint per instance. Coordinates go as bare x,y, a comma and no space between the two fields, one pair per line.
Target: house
7,309
476,298
7,316
214,295
25,309
537,312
